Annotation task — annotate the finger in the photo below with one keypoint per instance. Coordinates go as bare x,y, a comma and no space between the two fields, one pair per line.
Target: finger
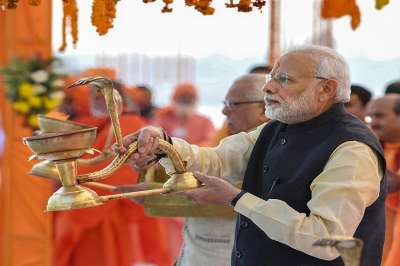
154,146
196,194
147,149
205,179
142,162
143,141
129,139
118,149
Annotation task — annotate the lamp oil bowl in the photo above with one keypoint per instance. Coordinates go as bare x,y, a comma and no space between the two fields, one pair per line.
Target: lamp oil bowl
62,143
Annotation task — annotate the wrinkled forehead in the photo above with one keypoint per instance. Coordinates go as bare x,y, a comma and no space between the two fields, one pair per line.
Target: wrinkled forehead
383,105
242,90
295,63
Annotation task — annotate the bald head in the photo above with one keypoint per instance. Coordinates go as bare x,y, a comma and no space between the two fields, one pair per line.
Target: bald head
249,86
384,113
244,103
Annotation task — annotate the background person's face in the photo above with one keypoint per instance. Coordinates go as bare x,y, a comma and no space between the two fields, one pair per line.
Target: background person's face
242,117
383,120
185,105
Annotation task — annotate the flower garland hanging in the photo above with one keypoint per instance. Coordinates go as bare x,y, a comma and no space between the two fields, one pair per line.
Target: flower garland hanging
103,14
33,87
34,2
70,18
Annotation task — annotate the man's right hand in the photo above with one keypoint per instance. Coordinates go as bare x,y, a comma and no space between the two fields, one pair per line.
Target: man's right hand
147,143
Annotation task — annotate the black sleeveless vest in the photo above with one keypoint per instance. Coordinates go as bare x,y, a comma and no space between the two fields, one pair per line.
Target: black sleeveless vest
284,162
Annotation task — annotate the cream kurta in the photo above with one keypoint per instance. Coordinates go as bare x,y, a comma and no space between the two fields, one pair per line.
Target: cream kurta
349,183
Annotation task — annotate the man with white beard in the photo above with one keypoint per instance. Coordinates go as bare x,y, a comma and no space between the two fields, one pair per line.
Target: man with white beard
314,171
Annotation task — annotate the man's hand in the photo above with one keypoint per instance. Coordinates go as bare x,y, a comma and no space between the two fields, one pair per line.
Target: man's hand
215,190
147,139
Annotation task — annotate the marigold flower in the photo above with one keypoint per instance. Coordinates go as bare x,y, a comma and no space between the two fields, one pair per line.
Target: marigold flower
50,104
33,120
25,90
21,107
35,101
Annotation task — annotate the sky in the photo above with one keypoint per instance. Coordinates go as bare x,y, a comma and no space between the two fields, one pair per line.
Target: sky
373,50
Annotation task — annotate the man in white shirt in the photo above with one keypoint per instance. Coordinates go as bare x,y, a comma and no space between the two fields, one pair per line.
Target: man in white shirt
312,172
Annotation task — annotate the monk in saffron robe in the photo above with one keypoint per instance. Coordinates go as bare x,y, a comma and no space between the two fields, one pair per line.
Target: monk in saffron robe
181,119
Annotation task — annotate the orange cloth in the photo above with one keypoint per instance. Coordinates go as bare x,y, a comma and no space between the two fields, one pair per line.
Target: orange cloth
139,97
79,98
391,251
196,129
221,133
340,8
186,89
116,233
26,228
100,71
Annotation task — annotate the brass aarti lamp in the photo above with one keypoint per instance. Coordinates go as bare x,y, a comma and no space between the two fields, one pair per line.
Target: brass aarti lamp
65,147
349,248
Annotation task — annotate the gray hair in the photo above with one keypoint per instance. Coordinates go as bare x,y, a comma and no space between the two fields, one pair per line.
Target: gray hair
253,86
329,64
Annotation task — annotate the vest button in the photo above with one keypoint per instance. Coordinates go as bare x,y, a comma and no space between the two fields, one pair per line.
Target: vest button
244,224
266,169
283,141
238,254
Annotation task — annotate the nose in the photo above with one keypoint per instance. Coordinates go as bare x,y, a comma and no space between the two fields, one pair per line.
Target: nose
225,110
271,87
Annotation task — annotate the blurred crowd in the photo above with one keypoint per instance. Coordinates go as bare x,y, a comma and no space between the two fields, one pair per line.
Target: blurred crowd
382,114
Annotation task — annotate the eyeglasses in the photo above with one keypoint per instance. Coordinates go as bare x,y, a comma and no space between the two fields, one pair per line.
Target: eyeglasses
283,78
231,105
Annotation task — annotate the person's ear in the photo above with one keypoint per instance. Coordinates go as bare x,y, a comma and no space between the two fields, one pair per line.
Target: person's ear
328,90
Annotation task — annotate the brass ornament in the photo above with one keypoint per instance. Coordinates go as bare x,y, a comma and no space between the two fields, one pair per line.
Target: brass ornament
62,143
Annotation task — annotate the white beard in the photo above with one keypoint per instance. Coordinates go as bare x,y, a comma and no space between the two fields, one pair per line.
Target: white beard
292,111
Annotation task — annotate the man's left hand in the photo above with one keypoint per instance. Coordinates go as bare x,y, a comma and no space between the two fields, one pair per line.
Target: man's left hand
215,190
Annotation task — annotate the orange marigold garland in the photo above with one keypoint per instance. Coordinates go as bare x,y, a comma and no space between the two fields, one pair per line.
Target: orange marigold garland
203,6
190,2
11,4
166,8
259,4
230,4
244,6
379,4
339,8
103,14
34,2
70,16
